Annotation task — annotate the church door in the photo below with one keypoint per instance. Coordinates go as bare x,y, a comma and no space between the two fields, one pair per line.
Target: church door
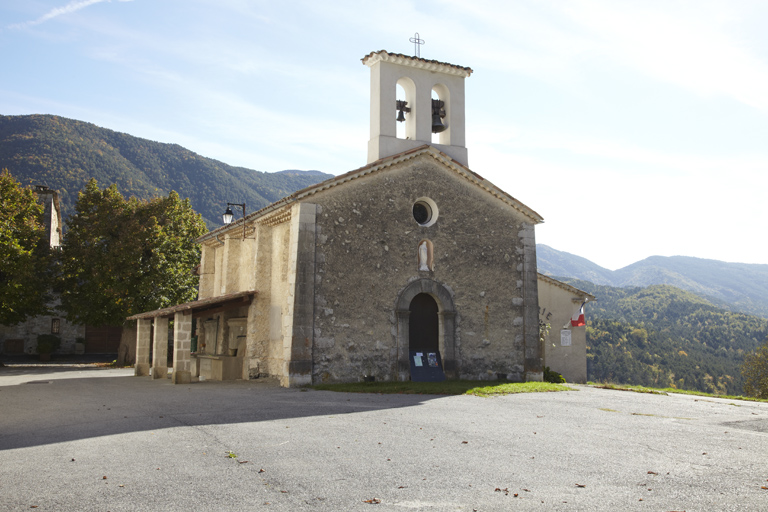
423,330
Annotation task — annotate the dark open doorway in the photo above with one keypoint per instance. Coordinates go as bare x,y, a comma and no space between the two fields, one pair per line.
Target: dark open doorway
426,325
423,329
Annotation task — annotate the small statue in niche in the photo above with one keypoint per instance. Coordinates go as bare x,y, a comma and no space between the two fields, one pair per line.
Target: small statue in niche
424,250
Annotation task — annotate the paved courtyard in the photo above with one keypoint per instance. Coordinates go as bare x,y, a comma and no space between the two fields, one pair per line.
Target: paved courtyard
82,438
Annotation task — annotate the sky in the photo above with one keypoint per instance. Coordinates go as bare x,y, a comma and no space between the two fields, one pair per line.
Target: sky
635,128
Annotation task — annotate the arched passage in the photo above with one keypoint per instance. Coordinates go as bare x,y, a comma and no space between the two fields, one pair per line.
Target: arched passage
446,325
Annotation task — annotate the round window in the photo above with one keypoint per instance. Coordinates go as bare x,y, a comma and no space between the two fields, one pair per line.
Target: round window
425,212
422,213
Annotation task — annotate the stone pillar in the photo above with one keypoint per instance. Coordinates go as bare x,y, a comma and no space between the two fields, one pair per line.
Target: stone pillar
450,358
298,338
182,349
530,289
260,317
403,365
160,349
207,270
143,326
232,264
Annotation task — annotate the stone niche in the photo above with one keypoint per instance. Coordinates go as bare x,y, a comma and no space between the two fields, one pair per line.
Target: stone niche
237,335
223,362
210,329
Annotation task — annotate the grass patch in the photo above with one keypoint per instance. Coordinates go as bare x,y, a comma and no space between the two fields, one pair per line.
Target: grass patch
448,387
621,387
664,391
508,388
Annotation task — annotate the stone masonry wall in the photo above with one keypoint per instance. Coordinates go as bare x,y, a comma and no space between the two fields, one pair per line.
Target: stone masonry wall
367,253
29,330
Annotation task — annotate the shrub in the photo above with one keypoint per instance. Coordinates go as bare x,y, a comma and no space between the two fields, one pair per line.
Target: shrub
47,343
755,372
553,376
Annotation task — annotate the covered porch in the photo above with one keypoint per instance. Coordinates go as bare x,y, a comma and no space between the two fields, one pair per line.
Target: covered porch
152,336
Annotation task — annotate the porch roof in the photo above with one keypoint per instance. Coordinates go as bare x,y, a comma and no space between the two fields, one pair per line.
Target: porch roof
202,306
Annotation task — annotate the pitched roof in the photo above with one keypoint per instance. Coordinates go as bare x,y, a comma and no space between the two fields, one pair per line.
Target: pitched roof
566,286
230,299
378,166
417,62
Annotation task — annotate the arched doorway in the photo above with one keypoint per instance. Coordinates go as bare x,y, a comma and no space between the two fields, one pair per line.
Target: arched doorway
445,315
423,325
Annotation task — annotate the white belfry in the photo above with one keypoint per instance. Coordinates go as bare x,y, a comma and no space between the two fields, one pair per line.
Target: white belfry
419,78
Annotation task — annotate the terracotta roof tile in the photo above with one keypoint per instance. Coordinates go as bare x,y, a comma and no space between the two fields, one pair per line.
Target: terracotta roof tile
413,59
197,305
374,167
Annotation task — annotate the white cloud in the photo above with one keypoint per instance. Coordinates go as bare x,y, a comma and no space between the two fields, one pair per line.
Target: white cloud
687,44
71,7
696,45
624,202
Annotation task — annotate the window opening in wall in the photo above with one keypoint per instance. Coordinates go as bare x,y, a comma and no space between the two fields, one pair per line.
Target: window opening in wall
422,213
402,112
55,325
438,117
425,211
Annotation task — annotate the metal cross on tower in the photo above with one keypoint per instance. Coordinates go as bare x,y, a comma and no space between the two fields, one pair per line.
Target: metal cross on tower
417,42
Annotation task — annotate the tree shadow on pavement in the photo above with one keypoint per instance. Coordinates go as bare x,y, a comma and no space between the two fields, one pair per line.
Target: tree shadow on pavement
63,404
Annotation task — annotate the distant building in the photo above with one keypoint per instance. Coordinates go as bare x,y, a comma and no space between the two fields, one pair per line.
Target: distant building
21,339
565,345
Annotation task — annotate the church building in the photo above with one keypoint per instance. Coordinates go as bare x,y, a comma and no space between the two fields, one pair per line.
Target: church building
410,267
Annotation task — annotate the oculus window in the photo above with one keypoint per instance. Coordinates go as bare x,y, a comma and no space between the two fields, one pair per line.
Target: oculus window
425,212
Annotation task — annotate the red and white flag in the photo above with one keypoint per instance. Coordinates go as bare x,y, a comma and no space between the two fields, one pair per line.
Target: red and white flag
577,320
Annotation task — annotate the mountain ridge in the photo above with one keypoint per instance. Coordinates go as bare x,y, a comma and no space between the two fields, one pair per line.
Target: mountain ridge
63,154
738,286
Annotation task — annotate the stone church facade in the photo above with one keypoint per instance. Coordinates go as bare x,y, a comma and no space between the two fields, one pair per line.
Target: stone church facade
346,280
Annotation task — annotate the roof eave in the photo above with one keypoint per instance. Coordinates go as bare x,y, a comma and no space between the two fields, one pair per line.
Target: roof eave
376,166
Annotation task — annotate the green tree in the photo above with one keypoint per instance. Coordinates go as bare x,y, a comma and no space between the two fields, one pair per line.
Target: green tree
755,372
121,257
24,252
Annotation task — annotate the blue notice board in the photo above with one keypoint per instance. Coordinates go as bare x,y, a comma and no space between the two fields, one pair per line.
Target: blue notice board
426,366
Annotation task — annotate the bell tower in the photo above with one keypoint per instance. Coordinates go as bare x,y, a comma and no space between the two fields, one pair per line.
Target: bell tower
434,103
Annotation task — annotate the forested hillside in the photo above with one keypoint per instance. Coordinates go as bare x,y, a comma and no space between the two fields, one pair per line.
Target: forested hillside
663,336
64,154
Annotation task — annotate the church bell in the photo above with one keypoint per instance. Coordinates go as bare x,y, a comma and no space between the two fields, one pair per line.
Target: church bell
438,113
402,108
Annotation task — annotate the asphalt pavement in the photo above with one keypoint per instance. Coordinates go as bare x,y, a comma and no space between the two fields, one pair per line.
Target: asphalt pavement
78,438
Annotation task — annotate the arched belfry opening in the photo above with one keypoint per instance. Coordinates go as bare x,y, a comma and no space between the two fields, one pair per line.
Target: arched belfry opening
441,115
406,100
419,79
426,319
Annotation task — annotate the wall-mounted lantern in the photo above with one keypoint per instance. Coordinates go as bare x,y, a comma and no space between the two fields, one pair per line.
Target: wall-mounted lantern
228,216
